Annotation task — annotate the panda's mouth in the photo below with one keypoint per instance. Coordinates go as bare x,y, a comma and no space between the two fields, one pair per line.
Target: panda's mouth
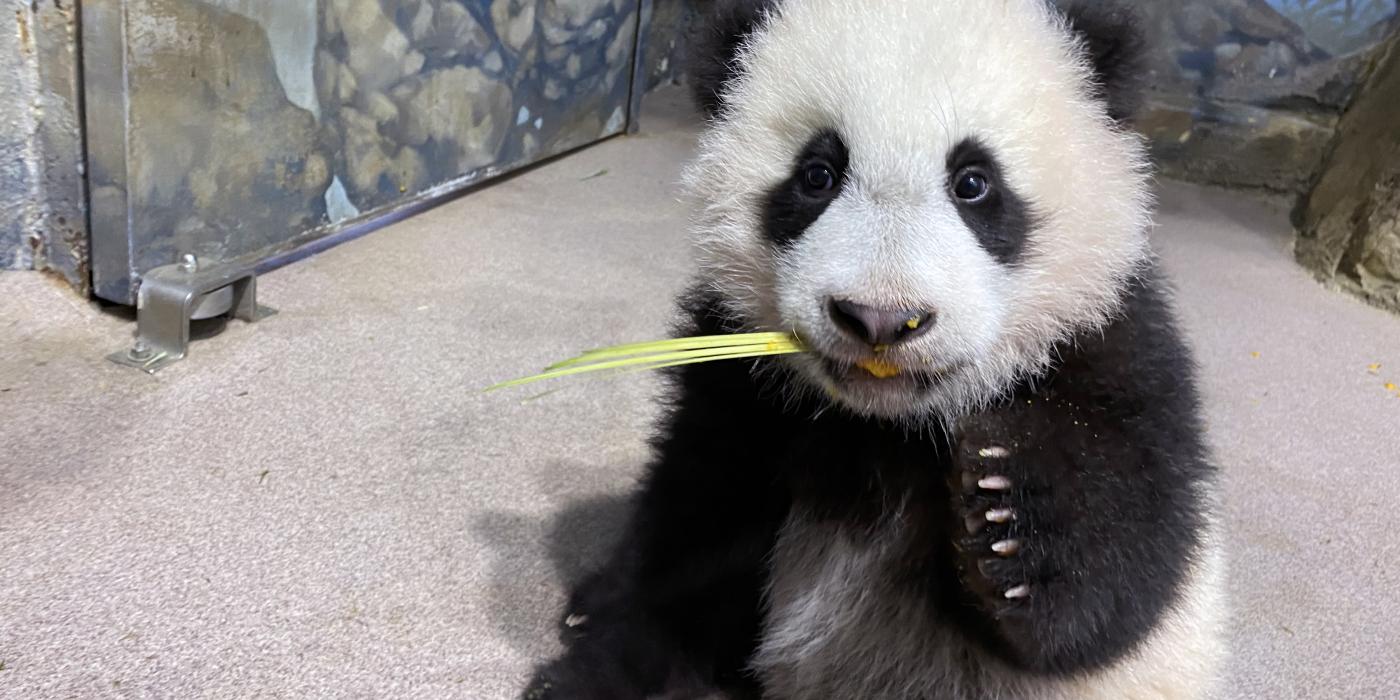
881,373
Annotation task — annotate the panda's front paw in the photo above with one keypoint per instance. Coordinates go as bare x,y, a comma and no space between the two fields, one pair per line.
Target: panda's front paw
999,559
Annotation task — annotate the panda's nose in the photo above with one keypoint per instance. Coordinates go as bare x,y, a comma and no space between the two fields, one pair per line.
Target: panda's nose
879,326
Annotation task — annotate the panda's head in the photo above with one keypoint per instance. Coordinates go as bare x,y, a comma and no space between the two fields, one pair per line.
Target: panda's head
940,186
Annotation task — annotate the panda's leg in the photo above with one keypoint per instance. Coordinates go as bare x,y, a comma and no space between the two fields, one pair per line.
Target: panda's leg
676,612
610,651
1075,530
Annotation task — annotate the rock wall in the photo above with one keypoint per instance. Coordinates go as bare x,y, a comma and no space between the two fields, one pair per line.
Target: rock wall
1247,93
42,200
241,128
1349,225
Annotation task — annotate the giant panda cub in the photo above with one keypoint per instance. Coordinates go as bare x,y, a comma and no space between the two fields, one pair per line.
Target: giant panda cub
1025,510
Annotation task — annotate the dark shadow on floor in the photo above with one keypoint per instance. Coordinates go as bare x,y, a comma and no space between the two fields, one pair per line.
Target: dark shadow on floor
581,537
536,563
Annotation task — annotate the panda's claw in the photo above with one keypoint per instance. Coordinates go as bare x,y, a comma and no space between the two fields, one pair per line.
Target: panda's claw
1018,592
975,522
1006,548
994,483
994,452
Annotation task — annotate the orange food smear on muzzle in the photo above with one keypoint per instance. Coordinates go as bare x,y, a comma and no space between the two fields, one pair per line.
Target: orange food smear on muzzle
879,368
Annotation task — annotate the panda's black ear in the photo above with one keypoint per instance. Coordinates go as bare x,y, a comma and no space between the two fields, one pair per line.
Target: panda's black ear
720,30
1117,49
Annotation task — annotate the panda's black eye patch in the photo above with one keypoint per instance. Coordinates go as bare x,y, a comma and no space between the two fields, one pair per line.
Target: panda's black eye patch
999,218
817,178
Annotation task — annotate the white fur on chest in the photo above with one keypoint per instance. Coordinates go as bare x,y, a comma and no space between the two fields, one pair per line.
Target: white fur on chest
844,620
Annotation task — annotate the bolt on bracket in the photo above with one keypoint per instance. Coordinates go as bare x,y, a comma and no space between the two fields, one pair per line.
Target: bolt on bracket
171,295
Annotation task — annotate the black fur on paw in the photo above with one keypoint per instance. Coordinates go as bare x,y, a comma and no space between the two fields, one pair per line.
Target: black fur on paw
994,534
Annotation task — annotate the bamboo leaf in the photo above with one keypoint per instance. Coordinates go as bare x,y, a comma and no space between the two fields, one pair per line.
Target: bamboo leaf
675,344
643,357
672,353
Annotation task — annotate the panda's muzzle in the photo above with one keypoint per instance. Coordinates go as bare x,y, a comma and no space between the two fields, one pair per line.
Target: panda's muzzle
879,327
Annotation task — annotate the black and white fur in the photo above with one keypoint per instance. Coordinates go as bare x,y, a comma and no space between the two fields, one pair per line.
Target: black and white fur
1026,512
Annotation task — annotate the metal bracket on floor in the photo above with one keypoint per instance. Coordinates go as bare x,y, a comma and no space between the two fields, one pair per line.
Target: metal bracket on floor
173,295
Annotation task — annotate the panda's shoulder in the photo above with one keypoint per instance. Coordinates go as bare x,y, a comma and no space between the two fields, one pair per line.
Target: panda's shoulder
1138,367
1142,346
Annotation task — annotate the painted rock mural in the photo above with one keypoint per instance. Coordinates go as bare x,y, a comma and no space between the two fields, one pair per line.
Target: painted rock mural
1248,92
239,128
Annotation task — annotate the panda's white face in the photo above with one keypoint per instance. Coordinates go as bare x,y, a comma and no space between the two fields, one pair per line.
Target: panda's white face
928,185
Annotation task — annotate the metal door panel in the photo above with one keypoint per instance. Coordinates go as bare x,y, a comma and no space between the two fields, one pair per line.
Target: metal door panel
236,130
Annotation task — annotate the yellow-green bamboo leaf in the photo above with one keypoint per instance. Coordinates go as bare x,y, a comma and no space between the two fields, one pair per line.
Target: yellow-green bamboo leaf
677,344
679,363
607,357
653,361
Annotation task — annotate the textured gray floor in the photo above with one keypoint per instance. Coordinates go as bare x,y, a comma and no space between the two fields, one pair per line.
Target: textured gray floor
324,505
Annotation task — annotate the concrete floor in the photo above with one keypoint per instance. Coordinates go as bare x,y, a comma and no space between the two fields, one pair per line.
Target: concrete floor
325,505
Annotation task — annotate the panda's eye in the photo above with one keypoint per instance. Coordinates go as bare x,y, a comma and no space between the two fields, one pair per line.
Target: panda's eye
971,186
817,178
